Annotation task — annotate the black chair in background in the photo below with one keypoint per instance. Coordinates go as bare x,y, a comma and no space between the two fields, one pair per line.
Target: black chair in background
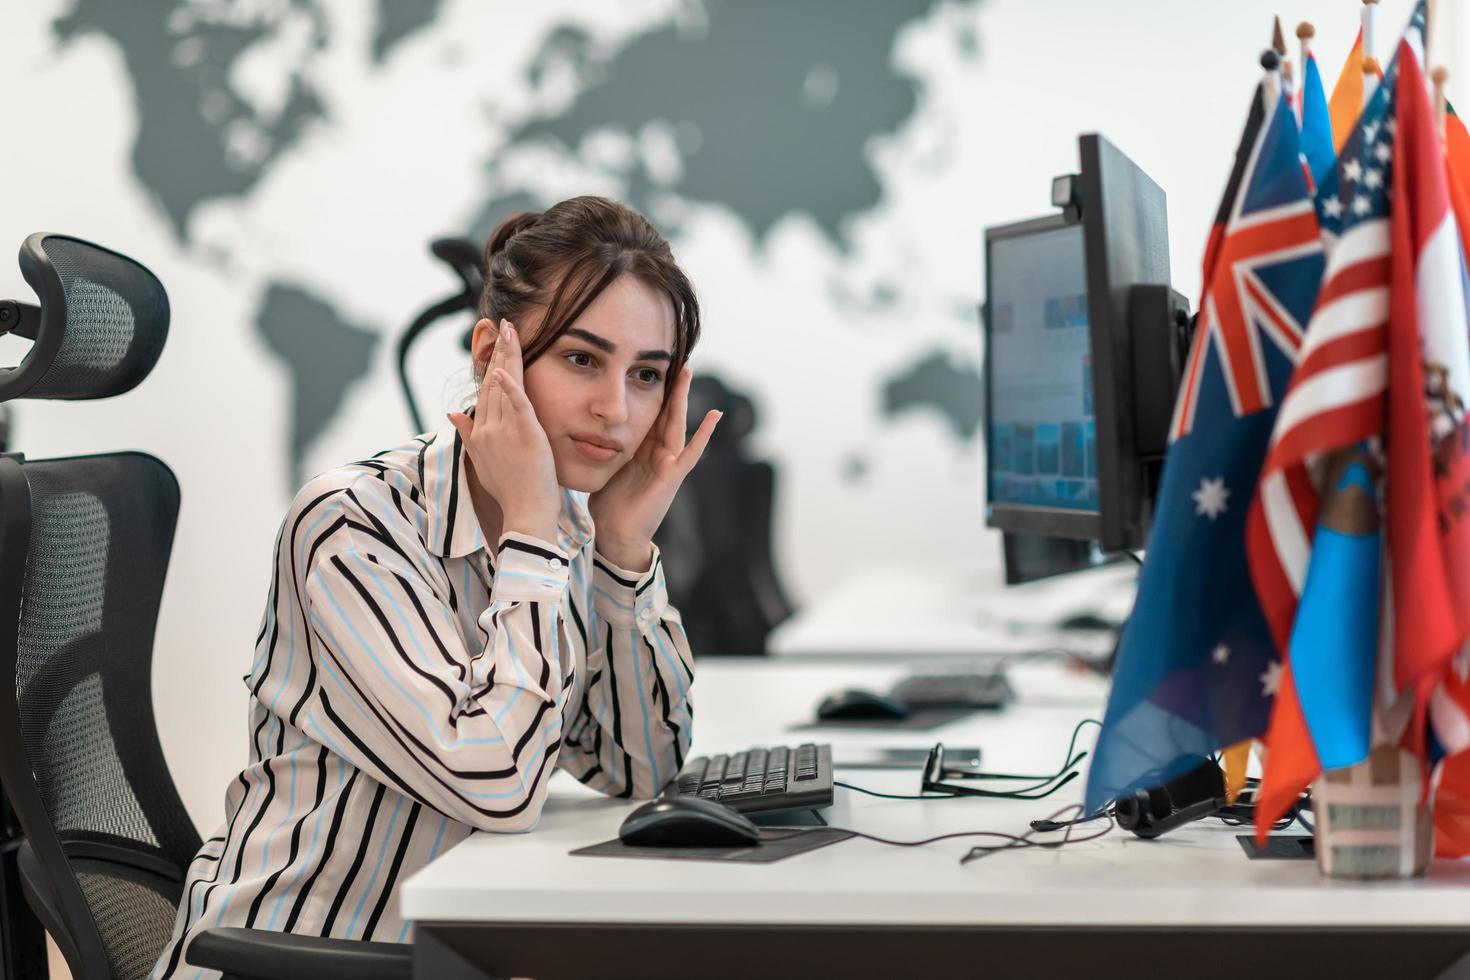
716,540
84,548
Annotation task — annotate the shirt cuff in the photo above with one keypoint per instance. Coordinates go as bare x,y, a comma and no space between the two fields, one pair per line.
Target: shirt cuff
629,599
528,569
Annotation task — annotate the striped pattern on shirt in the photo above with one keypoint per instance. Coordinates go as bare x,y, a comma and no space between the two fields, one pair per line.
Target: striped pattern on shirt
409,687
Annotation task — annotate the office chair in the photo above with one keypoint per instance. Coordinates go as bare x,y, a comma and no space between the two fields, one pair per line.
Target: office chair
84,547
465,258
716,538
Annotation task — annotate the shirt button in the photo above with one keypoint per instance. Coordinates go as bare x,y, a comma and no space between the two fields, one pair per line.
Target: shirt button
644,613
554,564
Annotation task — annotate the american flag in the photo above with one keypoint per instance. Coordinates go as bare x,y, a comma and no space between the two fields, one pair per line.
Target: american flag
1335,398
1257,230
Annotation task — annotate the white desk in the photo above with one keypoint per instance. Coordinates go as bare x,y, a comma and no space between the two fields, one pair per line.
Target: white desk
522,905
942,610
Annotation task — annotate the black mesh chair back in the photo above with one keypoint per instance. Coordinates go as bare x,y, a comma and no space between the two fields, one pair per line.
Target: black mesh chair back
107,837
84,546
100,326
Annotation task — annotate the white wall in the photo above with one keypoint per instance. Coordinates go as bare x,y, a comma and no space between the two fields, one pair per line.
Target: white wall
350,213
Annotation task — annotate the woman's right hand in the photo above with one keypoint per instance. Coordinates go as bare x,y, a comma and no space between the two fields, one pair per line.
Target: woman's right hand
508,451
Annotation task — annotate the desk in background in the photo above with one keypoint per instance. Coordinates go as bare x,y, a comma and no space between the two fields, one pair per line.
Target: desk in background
1188,905
942,610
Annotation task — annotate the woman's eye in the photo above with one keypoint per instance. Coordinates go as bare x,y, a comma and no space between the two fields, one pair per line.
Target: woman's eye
650,376
579,358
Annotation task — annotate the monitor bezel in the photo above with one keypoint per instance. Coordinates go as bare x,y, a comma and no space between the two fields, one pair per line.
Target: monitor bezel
1057,522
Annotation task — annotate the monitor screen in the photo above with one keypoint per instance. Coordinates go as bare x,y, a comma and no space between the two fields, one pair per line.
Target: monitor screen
1042,437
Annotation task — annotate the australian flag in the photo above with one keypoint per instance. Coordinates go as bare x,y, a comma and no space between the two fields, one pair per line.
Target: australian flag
1197,667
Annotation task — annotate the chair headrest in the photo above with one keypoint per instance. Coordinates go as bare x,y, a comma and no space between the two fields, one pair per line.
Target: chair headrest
101,325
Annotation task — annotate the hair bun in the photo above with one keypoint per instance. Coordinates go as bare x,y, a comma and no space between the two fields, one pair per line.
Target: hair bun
508,228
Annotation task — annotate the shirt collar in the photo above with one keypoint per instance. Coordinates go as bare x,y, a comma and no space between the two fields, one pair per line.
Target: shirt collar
454,529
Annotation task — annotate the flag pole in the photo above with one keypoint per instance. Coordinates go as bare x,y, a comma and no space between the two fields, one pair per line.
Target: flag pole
1371,72
1278,44
1438,76
1430,22
1370,9
1304,34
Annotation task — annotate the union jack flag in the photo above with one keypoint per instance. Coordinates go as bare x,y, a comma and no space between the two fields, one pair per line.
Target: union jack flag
1263,224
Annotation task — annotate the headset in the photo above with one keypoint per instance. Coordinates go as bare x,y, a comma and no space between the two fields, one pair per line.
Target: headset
1154,811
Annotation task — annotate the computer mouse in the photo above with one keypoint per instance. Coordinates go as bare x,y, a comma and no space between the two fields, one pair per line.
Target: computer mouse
687,821
855,704
1086,621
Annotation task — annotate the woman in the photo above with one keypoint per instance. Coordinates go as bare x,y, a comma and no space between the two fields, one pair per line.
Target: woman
453,619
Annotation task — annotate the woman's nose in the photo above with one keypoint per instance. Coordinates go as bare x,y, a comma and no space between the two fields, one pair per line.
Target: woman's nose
610,404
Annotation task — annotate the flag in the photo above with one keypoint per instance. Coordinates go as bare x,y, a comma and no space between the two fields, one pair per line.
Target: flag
1194,666
1316,137
1457,151
1346,104
1386,357
1449,705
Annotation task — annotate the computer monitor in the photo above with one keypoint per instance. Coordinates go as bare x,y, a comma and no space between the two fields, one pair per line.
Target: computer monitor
1041,443
1084,345
1139,328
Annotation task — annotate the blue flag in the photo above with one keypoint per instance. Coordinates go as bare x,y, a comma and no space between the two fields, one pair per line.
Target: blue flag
1316,124
1197,665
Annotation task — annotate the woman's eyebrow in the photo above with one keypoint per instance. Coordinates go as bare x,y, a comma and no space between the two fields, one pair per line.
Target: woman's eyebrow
609,347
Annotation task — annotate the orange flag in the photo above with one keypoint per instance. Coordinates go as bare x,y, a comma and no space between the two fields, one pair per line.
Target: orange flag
1346,104
1457,159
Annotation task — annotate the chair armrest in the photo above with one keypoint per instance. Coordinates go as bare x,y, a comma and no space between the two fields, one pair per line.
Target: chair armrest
259,954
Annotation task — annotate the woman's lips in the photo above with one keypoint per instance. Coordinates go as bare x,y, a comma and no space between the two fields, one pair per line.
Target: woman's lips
594,452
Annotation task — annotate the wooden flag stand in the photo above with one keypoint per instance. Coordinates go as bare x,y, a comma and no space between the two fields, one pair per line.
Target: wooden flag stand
1373,820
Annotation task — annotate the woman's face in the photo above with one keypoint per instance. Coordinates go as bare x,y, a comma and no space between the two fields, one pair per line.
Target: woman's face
599,387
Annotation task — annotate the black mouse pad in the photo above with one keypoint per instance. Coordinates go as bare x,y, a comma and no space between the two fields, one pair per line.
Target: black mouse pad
920,720
1285,847
775,845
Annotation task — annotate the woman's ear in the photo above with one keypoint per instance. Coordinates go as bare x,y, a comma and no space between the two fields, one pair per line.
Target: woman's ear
482,345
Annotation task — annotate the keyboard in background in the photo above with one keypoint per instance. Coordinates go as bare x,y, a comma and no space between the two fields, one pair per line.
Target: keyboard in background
969,690
761,780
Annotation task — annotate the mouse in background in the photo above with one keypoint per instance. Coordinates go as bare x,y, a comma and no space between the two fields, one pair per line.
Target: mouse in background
687,821
855,704
1086,621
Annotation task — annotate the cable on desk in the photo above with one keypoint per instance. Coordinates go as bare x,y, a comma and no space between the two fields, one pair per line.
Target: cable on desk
895,796
1025,840
1034,792
1013,841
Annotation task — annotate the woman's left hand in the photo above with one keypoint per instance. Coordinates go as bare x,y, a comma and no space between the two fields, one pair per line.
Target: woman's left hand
631,506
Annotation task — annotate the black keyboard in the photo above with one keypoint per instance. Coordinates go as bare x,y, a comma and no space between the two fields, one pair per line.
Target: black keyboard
761,780
970,690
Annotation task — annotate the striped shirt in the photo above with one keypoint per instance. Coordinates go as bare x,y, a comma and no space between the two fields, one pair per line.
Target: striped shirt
409,686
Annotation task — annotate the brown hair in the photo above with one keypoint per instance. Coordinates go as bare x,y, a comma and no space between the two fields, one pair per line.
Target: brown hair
564,257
